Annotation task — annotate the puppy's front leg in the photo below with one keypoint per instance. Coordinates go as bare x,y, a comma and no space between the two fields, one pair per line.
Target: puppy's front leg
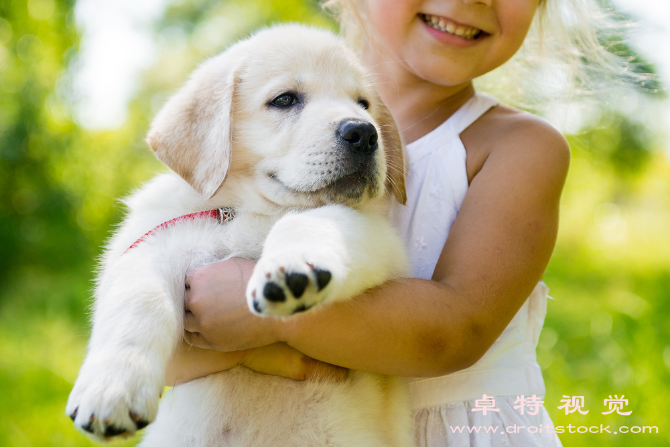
326,254
136,325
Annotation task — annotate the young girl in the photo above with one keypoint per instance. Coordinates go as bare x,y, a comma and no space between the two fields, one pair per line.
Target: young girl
481,220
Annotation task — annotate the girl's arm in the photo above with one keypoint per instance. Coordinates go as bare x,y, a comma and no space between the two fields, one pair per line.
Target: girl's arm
278,359
495,254
190,363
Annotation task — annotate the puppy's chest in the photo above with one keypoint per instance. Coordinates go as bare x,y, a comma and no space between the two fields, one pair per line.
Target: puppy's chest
243,235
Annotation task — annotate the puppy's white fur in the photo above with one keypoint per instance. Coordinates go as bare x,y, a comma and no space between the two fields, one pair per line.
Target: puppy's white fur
304,204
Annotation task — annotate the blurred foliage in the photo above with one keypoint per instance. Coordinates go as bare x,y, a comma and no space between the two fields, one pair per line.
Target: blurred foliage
35,218
605,334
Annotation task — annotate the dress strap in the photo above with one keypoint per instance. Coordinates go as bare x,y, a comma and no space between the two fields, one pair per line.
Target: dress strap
451,129
471,111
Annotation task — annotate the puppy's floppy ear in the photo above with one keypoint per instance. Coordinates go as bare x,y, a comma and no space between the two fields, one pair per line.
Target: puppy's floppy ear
393,149
192,132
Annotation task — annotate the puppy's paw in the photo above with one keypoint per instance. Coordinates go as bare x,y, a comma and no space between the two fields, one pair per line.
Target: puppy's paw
289,284
115,398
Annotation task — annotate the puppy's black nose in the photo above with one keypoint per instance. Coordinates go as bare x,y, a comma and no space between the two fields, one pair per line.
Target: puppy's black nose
359,135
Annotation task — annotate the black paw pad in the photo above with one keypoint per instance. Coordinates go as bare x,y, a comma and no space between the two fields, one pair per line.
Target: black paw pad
73,416
88,427
114,431
301,308
141,424
274,293
322,278
257,307
297,282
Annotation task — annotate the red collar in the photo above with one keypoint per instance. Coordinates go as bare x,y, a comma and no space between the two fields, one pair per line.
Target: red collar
220,214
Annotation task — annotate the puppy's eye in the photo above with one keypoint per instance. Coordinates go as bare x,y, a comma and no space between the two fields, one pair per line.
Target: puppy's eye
284,101
364,103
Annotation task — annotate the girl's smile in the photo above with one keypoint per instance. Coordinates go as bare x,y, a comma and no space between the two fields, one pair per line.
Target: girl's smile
445,42
451,32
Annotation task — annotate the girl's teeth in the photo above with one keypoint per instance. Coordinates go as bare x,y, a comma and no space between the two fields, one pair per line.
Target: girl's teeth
442,25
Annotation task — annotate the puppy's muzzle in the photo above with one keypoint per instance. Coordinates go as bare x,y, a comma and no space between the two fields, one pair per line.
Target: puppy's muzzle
358,136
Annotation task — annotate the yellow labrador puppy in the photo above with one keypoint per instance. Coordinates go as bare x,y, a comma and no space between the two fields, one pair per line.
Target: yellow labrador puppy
282,153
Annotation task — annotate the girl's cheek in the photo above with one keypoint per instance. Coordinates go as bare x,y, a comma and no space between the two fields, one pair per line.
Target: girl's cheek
516,18
389,16
519,17
378,18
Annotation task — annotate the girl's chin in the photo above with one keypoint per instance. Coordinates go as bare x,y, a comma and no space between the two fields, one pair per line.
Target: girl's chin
441,71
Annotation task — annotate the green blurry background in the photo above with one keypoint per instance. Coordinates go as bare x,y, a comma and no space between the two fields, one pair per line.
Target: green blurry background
607,331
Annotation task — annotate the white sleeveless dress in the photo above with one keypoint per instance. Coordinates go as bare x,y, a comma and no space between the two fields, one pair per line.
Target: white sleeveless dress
436,185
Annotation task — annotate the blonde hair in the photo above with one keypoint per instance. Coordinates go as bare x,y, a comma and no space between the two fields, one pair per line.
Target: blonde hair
568,56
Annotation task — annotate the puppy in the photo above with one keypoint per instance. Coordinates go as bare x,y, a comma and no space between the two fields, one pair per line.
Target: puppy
283,135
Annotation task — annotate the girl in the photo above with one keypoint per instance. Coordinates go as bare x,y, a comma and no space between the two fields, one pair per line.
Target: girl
481,220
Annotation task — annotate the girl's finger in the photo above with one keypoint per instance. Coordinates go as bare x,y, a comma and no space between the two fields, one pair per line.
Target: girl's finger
324,372
196,339
187,293
191,322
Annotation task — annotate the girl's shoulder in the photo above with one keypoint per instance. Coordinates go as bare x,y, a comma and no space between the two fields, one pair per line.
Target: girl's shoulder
508,134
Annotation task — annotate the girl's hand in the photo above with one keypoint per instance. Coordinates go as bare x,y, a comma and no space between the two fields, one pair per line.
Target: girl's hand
217,316
279,359
190,363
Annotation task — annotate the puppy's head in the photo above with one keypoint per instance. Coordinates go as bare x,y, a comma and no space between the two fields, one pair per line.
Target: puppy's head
289,109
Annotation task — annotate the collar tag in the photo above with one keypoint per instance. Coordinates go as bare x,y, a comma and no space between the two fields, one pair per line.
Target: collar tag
225,215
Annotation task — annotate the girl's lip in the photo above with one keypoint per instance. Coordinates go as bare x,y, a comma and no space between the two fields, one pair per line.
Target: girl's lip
451,39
